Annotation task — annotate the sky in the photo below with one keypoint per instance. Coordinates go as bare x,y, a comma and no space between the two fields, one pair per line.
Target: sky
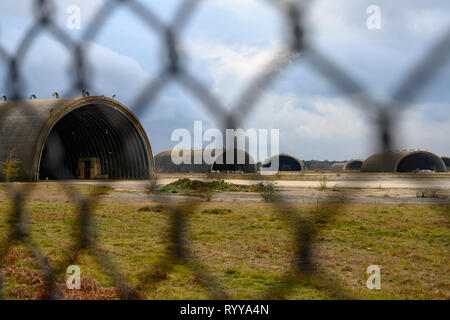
227,43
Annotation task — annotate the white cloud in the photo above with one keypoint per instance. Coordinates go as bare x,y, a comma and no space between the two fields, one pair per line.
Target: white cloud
312,126
241,60
47,64
416,131
112,70
315,127
233,67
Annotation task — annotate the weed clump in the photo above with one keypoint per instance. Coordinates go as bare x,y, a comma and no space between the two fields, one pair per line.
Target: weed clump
323,184
232,272
428,193
216,211
11,166
268,193
151,209
152,184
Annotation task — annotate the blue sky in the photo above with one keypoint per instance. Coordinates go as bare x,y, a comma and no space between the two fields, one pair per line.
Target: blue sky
225,45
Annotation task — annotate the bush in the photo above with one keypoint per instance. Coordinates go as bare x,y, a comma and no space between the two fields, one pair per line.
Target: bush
428,193
232,272
269,193
152,184
323,184
10,167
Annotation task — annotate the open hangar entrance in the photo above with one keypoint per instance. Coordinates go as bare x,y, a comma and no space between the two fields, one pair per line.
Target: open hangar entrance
447,162
354,165
420,161
95,141
239,161
164,163
285,163
75,138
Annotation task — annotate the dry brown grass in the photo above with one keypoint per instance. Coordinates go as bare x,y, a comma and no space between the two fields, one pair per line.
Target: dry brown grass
27,281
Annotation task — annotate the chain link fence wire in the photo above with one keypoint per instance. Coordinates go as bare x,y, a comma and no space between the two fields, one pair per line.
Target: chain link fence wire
173,68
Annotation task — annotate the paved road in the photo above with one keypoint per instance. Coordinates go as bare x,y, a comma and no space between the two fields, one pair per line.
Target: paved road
378,189
433,183
239,197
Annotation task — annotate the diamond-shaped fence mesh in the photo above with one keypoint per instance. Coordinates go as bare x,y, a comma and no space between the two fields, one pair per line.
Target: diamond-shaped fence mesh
174,69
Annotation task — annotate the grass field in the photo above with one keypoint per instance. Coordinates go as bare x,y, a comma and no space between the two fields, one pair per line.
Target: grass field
248,247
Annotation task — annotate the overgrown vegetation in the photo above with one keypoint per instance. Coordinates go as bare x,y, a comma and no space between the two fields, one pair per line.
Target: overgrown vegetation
428,193
247,247
217,211
269,194
158,208
323,184
152,185
188,186
10,167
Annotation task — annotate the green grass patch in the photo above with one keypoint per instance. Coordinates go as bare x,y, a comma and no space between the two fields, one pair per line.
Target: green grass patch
232,273
247,248
151,209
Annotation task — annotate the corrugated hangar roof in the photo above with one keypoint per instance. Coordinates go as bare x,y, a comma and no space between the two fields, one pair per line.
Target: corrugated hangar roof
53,134
164,163
285,163
403,162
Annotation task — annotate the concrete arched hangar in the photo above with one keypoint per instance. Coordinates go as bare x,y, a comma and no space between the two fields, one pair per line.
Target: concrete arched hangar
412,161
283,162
447,162
74,138
164,163
352,165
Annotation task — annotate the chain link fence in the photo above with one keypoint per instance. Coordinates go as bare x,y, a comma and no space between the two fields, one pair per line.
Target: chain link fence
173,69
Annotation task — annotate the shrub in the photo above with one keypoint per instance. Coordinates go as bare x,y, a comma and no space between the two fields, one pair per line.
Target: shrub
232,272
152,184
428,193
323,184
269,193
10,167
